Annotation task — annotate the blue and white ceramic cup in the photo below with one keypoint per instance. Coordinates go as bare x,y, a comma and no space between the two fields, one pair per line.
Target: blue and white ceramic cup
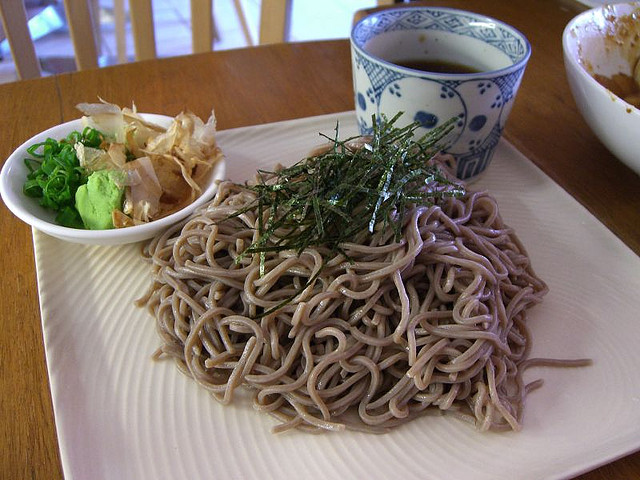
396,53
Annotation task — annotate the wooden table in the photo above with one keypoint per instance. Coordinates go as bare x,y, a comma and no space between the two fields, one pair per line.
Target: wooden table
267,84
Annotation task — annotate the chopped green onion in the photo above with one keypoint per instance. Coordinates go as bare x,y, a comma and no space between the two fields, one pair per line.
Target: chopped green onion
54,173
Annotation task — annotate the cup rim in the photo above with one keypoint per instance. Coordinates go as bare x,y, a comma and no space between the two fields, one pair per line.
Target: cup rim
521,63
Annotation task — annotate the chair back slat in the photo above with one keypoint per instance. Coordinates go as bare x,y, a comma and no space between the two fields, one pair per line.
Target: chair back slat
142,28
14,22
274,18
82,31
201,25
119,25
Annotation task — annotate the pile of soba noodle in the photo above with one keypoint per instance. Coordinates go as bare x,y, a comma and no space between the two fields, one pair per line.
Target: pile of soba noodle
384,332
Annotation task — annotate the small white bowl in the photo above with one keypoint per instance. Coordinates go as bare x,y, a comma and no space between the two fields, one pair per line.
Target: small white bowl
601,41
27,209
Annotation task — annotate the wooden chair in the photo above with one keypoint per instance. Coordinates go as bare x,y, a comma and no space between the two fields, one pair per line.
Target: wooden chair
81,29
273,28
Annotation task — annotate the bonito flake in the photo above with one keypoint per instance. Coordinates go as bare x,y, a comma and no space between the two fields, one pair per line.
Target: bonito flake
165,167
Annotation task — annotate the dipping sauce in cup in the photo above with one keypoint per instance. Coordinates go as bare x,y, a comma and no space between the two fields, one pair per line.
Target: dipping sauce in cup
435,64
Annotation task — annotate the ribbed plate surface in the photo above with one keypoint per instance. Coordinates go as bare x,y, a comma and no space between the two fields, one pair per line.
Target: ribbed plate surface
120,415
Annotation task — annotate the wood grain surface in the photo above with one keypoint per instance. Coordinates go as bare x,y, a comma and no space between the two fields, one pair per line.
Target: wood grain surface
260,85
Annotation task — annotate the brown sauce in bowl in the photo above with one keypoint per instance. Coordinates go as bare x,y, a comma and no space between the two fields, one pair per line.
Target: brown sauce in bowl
621,34
621,85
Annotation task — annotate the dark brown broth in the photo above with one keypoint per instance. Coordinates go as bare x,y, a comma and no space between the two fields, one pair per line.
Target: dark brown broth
437,66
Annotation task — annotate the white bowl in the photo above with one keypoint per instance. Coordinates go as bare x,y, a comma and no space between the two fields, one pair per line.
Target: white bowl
27,209
600,41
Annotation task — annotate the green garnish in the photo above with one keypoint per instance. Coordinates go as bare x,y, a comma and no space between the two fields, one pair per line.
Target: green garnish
327,199
55,174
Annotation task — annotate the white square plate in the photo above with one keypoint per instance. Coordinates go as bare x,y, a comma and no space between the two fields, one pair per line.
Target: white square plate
121,415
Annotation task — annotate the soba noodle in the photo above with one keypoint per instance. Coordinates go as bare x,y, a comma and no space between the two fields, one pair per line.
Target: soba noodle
367,339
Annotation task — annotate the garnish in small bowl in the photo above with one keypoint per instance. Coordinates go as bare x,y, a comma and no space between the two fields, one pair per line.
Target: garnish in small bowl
113,168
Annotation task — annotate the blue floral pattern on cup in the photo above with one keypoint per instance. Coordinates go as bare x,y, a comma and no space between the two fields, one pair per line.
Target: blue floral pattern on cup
480,102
